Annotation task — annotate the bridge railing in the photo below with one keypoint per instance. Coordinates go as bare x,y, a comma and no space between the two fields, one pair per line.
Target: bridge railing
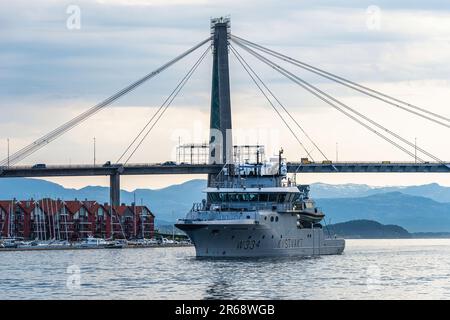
96,166
364,162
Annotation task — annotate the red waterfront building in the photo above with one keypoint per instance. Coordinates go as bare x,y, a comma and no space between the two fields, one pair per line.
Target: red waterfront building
72,220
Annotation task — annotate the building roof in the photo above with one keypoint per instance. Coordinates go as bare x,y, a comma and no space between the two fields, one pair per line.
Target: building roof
27,205
123,209
5,205
73,206
92,206
51,207
139,210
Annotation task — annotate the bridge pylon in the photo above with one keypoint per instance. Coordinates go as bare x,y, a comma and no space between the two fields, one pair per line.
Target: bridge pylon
221,145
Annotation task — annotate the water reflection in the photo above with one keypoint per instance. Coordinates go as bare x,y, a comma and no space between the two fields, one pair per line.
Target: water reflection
219,289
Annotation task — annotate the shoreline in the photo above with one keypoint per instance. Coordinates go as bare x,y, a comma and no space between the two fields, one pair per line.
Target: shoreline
44,248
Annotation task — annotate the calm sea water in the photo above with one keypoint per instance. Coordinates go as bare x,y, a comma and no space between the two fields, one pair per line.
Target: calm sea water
379,269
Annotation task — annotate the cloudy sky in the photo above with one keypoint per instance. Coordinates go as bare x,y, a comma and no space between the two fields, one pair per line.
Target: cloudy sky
51,70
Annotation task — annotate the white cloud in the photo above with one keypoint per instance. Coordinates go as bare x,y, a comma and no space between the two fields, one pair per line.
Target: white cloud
151,2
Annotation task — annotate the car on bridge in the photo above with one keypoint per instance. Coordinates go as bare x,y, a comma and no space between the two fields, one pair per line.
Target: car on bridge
169,163
305,161
39,166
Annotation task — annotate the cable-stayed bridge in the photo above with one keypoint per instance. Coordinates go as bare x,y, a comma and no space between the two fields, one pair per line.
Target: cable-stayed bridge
221,43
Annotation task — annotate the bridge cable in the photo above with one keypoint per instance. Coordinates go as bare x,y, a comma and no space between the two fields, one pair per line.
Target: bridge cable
350,84
165,105
242,60
319,93
46,139
303,83
157,112
270,102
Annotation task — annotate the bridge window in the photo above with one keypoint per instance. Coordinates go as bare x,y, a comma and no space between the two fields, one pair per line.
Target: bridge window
290,197
263,197
253,197
232,197
215,197
309,205
281,197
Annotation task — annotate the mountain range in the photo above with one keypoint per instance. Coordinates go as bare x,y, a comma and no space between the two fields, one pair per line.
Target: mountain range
416,214
433,191
423,208
367,229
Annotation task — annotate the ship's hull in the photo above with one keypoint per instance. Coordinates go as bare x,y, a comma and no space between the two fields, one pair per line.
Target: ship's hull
248,238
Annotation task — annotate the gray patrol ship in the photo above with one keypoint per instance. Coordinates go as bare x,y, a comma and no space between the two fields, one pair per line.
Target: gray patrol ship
256,210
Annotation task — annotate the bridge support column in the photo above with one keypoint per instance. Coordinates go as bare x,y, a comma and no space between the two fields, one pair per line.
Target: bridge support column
221,148
114,189
220,141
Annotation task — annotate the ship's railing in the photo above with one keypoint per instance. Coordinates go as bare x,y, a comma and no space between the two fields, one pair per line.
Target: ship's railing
242,207
199,206
284,206
219,215
264,182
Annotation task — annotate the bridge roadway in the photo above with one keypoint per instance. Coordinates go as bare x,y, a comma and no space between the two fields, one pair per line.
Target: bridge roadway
152,169
116,170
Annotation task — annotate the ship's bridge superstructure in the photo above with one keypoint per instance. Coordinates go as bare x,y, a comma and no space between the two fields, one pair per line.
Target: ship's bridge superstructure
251,199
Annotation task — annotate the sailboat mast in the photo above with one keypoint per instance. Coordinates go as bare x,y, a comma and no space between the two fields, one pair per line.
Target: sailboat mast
10,220
65,221
134,215
142,219
45,220
58,216
53,219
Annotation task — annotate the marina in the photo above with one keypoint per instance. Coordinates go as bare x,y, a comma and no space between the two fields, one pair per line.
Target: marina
47,224
79,246
71,220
